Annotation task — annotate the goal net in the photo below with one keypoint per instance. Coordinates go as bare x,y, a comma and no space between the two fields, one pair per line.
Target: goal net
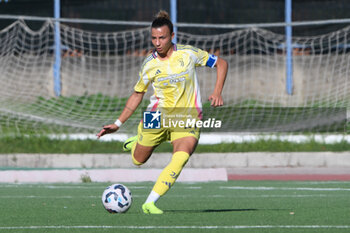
98,72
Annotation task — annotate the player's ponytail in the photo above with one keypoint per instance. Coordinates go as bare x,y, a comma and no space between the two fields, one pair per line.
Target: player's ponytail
162,18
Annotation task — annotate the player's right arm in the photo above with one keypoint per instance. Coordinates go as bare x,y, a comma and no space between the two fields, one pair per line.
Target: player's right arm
133,102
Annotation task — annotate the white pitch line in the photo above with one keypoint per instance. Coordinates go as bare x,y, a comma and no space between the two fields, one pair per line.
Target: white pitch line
58,197
324,182
178,196
53,197
64,187
80,187
182,227
284,188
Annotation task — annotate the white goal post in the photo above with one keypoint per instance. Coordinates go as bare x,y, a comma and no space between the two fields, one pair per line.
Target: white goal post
99,69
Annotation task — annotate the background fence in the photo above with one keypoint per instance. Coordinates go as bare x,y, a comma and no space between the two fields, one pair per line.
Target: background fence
194,11
76,77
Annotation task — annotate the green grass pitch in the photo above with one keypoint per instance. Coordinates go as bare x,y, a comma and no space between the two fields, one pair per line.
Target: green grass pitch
234,206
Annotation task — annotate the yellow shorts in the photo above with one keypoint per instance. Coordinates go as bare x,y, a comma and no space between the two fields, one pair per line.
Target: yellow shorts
154,137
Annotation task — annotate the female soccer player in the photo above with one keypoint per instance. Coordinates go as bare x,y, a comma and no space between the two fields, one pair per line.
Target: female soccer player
170,68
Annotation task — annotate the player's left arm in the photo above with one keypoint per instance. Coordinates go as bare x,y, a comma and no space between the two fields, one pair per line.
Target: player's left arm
221,72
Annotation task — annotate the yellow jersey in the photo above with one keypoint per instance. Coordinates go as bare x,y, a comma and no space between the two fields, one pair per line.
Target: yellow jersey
174,80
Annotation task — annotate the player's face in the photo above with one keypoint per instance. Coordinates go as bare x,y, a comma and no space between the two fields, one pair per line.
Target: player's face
161,40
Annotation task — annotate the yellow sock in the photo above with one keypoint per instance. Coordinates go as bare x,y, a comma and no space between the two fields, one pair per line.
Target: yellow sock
132,156
170,173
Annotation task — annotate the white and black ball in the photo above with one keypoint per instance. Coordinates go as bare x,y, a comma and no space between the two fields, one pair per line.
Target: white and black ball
117,198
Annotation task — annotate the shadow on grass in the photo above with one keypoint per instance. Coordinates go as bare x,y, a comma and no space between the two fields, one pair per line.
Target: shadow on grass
209,210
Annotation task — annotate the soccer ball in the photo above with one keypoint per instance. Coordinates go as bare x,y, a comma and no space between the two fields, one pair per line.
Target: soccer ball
117,198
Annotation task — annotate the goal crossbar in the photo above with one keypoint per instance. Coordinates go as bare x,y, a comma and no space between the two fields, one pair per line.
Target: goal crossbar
179,24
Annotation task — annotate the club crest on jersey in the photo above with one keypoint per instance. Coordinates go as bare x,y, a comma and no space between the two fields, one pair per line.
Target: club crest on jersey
181,61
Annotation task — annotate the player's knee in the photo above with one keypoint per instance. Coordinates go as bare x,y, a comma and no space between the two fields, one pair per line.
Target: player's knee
136,162
140,154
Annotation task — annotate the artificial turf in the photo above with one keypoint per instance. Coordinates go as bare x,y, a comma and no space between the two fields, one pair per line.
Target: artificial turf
233,206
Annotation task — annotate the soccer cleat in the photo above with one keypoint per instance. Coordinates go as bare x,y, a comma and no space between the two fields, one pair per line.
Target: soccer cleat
150,208
127,146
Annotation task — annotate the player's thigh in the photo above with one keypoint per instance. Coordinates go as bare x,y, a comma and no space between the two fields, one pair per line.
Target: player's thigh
147,141
185,141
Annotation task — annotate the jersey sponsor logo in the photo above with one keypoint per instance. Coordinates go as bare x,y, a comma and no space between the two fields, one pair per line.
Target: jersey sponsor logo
173,76
176,80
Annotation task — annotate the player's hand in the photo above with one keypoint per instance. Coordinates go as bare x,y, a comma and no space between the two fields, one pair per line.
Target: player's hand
216,100
107,129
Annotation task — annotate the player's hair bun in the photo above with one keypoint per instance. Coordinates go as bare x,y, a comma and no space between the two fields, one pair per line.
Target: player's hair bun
163,14
162,19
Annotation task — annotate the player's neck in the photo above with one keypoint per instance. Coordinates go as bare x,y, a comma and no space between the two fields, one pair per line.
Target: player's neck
167,55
